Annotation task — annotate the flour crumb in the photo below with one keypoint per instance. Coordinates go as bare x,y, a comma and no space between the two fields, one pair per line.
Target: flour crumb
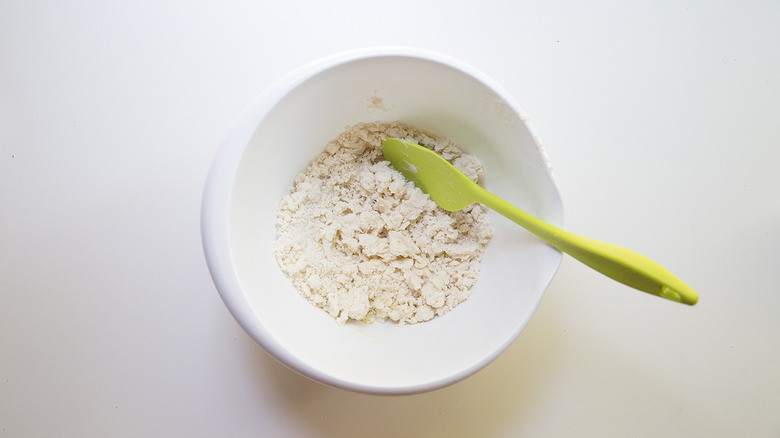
361,242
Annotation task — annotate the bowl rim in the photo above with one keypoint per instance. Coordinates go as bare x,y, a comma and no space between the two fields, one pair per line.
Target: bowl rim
218,188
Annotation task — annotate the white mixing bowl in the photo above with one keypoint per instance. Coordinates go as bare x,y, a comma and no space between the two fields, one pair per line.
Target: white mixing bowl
290,124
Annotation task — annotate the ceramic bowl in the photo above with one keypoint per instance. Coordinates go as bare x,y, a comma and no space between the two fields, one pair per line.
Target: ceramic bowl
286,127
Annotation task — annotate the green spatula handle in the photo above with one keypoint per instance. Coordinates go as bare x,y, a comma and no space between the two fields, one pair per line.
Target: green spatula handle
618,263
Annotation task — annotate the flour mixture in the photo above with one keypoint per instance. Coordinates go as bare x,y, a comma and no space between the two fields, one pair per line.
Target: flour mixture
361,242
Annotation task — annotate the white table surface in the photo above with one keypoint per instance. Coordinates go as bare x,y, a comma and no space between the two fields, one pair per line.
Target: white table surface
662,120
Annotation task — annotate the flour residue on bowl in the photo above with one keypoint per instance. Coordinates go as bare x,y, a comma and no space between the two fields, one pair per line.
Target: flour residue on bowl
376,102
361,242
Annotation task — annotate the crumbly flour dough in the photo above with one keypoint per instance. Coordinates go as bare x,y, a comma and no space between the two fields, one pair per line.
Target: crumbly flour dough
361,242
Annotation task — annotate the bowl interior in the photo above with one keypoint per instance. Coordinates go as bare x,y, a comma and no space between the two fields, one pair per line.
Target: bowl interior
307,111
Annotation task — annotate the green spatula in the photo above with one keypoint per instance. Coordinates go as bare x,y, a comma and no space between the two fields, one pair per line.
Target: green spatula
453,190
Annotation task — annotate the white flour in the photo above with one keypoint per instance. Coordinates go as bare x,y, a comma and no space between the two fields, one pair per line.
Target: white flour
361,242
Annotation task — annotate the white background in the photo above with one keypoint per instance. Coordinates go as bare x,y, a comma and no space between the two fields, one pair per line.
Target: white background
661,119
